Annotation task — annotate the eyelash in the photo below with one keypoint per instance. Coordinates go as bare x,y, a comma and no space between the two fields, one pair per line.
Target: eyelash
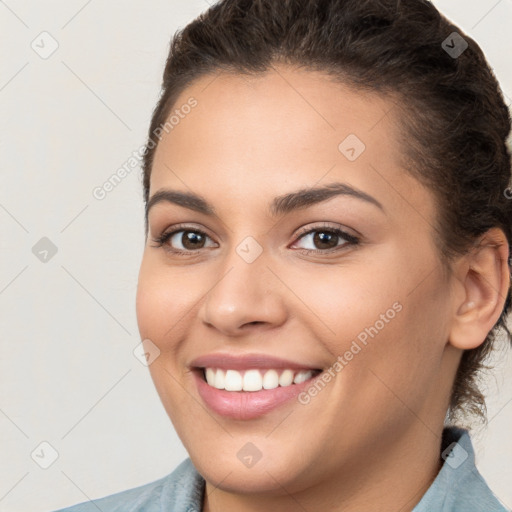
161,240
349,239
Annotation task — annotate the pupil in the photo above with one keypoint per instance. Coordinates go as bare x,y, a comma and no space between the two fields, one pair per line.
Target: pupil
192,239
325,238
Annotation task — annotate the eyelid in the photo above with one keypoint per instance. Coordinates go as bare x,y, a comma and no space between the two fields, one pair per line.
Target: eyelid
334,226
161,239
183,227
338,229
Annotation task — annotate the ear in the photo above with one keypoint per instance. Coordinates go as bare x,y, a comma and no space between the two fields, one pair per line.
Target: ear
482,286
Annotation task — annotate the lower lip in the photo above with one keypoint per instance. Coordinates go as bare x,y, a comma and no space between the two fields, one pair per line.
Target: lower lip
247,405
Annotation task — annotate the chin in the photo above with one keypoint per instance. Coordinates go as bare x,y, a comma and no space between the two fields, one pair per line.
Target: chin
235,478
227,469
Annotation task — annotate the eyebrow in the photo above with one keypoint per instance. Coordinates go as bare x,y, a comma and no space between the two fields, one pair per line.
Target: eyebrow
280,205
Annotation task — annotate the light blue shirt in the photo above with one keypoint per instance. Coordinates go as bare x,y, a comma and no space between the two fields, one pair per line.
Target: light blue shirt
458,487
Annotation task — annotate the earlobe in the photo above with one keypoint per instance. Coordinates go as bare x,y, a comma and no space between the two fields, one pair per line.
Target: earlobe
484,281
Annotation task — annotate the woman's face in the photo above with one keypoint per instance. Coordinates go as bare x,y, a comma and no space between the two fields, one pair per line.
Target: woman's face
256,270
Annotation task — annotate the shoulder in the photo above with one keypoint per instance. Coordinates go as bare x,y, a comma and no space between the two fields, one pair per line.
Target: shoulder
180,491
459,485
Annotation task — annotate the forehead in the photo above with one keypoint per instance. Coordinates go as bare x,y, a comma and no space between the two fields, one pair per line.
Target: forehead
267,108
285,129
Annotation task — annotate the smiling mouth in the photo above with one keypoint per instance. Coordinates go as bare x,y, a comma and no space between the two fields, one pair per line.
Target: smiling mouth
256,379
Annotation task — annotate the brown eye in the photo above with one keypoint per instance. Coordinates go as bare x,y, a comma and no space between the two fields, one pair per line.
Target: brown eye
184,240
191,240
325,240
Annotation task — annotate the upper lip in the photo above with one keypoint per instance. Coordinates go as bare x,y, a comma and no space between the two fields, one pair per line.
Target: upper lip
246,362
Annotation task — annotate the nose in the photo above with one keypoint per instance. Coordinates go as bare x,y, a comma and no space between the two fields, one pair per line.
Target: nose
246,296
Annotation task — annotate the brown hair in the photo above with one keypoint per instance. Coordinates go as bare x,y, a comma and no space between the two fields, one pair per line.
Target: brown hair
455,121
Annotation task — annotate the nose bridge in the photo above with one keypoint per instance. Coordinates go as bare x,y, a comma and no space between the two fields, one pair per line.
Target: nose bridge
244,292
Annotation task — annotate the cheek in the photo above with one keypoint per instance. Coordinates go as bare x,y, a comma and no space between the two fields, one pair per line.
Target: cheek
152,308
162,302
344,302
398,349
387,323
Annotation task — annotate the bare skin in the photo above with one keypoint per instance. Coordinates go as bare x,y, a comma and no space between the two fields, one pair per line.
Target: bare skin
370,440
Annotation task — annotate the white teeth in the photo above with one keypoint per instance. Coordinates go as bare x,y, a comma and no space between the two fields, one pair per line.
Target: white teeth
254,380
210,376
233,381
270,379
302,376
286,378
219,379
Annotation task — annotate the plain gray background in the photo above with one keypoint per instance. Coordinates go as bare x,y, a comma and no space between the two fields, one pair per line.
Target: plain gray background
68,327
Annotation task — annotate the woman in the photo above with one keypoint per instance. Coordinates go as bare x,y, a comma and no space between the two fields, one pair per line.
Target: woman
327,258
